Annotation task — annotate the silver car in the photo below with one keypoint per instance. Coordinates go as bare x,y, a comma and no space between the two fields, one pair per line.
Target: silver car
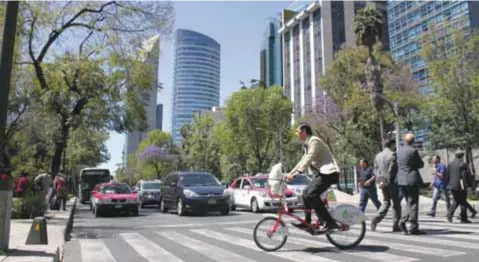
149,192
298,184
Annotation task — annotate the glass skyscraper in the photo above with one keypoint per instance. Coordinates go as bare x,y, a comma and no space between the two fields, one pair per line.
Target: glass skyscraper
409,20
271,65
196,77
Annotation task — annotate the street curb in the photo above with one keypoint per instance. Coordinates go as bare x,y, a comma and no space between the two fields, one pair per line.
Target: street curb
66,232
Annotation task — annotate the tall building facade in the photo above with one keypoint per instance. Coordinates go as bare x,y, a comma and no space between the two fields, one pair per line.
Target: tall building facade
271,60
196,77
159,116
409,20
312,33
150,54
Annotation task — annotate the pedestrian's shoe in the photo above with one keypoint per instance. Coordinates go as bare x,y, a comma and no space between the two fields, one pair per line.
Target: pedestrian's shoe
402,227
466,222
416,232
374,224
431,214
473,214
449,219
396,228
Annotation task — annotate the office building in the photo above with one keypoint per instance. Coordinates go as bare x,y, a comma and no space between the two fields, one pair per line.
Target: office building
216,113
196,77
270,55
150,54
159,116
409,20
312,33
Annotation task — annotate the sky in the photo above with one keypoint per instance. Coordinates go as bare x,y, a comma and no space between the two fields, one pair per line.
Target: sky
237,26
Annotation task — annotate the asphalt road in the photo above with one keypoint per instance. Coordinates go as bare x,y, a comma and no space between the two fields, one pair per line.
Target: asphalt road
158,237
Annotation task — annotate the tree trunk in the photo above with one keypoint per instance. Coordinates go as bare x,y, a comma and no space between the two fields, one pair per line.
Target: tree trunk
59,148
470,162
381,127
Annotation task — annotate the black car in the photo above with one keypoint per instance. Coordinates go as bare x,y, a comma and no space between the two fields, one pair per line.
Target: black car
197,192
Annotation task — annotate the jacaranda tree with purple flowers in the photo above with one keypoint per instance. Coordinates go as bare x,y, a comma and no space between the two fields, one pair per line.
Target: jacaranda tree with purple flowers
156,155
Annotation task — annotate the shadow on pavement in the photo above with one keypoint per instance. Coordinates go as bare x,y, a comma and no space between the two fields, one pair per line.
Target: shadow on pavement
368,248
28,253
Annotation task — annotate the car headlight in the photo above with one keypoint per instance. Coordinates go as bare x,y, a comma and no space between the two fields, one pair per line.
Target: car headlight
103,200
189,193
226,193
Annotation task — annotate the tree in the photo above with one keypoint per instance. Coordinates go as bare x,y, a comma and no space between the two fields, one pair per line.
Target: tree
348,125
368,28
96,81
255,122
155,154
201,146
453,64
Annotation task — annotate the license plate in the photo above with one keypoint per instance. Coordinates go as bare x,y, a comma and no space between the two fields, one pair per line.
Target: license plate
118,206
212,201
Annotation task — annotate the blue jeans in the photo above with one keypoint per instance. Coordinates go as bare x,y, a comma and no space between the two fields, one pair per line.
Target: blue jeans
435,197
368,193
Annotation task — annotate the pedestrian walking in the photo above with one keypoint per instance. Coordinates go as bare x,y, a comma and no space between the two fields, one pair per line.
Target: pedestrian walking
439,184
385,168
409,181
458,176
44,184
21,188
61,191
367,186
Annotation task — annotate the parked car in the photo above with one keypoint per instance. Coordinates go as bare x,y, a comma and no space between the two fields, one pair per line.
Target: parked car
253,193
297,185
149,192
193,192
112,198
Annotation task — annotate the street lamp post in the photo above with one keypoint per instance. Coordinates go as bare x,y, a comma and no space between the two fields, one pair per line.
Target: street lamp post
8,44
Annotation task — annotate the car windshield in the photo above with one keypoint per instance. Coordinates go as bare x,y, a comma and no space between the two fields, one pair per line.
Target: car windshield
199,180
300,180
259,182
116,189
151,185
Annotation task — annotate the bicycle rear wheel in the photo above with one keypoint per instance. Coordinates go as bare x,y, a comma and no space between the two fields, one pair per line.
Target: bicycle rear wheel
341,241
261,235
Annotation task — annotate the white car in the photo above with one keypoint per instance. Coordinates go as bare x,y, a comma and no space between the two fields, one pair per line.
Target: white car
297,185
252,193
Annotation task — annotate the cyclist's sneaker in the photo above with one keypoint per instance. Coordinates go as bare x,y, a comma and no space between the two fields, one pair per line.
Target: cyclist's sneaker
328,227
303,227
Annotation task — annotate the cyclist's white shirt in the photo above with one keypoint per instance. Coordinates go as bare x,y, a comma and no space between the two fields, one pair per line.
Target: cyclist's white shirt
275,176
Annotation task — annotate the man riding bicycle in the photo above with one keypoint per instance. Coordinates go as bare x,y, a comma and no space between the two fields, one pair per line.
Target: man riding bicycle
319,161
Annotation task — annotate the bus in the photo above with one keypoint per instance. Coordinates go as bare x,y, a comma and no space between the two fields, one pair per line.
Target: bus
88,179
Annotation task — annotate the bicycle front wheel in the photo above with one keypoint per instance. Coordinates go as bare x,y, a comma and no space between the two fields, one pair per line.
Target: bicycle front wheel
264,237
346,239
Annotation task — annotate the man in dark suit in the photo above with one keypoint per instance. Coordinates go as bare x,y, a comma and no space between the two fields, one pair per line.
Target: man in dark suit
409,181
385,168
458,176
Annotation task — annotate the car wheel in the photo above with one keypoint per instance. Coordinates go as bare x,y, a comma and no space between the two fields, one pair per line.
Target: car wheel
254,205
232,205
226,211
135,212
180,208
163,208
96,211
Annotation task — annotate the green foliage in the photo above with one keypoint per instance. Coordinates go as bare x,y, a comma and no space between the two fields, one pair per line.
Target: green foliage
202,146
28,207
256,119
368,26
351,130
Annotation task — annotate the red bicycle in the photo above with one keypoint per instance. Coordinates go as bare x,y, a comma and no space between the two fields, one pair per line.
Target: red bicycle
347,216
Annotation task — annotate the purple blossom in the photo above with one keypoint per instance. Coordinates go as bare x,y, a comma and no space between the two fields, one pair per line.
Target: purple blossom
153,153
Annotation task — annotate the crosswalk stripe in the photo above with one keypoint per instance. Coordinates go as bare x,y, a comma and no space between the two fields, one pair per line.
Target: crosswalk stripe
433,240
249,244
451,227
393,245
90,248
201,224
212,252
147,249
363,254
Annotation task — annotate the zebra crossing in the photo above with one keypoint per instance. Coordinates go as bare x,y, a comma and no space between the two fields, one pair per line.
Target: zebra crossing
234,242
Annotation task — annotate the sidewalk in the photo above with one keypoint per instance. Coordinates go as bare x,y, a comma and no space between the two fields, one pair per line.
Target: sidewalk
58,225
